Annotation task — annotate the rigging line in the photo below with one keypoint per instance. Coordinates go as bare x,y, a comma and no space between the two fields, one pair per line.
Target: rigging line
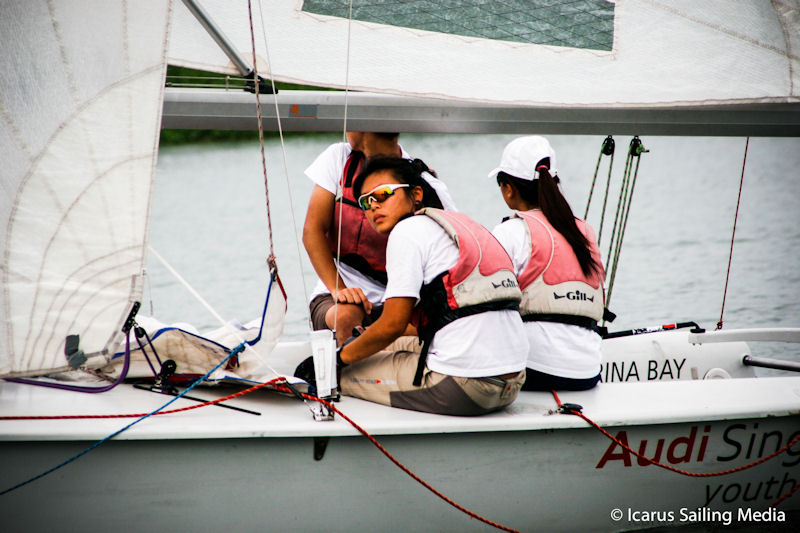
257,90
605,199
403,467
591,189
283,153
607,148
623,189
623,226
733,235
635,150
119,431
192,407
211,310
339,188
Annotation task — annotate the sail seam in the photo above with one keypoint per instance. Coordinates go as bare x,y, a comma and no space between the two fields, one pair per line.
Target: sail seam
782,11
67,212
721,29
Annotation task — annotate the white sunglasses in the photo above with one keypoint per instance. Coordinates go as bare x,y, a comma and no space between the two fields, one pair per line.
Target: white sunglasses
379,194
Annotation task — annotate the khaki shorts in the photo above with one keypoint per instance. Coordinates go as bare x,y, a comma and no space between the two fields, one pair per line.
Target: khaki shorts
319,307
387,378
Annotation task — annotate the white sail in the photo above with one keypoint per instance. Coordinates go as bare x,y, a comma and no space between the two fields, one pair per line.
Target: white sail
594,53
80,102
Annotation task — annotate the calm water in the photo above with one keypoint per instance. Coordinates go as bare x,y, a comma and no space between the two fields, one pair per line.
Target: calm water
209,221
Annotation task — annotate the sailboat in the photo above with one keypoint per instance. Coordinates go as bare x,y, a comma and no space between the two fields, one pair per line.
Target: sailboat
81,101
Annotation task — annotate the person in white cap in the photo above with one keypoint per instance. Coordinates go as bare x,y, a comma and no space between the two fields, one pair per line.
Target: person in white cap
558,265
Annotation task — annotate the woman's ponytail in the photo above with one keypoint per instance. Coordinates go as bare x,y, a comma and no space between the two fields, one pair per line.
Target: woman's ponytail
545,194
558,212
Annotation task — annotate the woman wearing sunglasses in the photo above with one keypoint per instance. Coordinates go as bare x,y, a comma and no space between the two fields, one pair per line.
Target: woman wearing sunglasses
448,276
558,264
346,253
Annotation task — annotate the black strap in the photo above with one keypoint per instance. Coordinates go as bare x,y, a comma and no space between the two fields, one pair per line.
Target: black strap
574,320
427,333
423,358
355,160
348,201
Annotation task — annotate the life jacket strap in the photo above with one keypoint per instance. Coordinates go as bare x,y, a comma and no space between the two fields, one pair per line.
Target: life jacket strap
574,320
427,333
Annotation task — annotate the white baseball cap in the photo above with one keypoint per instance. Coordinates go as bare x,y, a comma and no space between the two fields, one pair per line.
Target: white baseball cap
521,155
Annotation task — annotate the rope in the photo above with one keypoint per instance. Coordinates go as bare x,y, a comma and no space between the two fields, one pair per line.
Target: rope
635,150
733,236
405,469
276,382
678,470
271,257
605,201
606,149
591,188
80,388
211,310
785,496
284,158
620,202
273,381
111,436
339,189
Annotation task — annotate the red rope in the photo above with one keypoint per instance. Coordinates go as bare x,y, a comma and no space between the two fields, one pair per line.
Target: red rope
257,88
402,467
785,496
684,472
275,382
136,415
733,236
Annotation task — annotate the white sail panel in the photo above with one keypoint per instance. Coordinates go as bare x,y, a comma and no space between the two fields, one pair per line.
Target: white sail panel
664,53
80,103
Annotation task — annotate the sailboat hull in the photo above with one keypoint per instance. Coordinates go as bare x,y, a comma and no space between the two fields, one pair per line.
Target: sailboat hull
528,468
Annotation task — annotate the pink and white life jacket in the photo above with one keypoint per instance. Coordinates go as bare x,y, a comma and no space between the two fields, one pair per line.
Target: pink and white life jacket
360,246
482,280
553,286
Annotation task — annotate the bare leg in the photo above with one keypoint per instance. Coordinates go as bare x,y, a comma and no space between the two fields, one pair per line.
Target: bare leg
342,318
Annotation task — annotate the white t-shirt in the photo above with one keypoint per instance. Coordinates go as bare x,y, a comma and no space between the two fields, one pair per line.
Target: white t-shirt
557,349
326,171
487,344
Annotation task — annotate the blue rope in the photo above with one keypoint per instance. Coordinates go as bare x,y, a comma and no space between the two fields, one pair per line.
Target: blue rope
238,349
273,275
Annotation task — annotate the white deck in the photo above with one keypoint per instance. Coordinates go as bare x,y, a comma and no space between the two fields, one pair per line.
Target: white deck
611,404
